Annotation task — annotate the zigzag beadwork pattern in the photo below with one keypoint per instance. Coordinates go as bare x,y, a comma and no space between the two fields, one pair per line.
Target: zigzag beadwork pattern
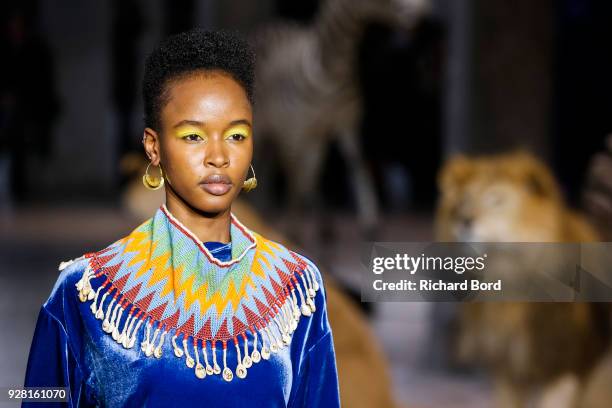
161,276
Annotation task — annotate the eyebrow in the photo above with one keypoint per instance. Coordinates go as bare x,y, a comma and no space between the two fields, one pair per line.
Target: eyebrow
198,123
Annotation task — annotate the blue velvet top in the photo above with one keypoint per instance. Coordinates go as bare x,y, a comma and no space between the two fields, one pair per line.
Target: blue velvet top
70,349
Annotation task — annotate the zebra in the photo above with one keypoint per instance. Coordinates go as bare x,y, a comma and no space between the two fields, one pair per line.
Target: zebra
307,96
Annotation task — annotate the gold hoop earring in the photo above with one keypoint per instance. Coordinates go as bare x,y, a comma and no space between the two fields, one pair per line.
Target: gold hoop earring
250,183
153,183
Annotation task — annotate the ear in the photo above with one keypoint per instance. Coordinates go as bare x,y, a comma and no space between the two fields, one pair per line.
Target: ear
536,175
455,173
150,141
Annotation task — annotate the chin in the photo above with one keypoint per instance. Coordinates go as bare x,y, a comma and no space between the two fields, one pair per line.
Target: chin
214,204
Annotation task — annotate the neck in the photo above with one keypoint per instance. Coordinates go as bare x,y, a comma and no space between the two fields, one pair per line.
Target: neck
206,226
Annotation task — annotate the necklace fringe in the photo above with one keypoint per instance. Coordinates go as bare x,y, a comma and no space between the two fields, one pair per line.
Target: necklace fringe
123,321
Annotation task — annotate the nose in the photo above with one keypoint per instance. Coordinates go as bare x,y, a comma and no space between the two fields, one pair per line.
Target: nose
216,153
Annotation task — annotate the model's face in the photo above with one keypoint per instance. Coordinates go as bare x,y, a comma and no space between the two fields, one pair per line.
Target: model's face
205,131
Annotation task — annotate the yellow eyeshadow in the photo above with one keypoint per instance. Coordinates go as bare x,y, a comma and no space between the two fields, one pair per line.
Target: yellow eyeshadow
184,132
240,129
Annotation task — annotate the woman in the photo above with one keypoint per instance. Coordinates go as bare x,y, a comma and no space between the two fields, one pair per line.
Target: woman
191,308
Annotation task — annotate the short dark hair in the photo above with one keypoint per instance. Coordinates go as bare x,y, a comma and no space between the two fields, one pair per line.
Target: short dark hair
187,53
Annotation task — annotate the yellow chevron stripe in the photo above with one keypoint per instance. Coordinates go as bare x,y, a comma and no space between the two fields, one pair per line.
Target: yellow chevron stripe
140,243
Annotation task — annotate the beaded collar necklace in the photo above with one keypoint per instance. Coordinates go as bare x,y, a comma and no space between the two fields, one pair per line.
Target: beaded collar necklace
160,278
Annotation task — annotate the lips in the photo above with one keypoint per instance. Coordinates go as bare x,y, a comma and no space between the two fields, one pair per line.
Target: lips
216,184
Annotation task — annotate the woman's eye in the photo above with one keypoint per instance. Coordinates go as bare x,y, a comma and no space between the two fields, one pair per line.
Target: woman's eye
193,137
237,137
